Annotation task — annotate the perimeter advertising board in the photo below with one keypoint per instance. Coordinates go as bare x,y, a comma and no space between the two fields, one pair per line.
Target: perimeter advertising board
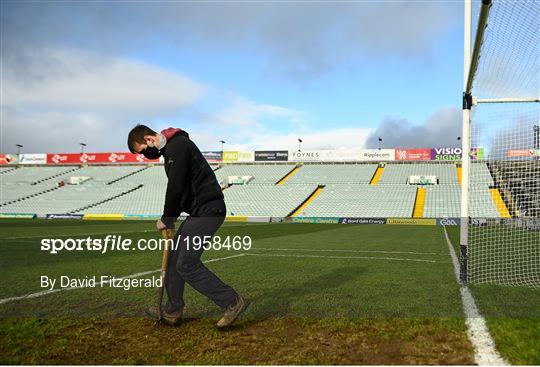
413,154
8,159
97,158
212,156
271,155
377,155
40,158
446,154
233,156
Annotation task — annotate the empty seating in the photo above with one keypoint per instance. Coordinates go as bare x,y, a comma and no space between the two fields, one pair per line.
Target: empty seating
398,173
333,173
362,200
262,173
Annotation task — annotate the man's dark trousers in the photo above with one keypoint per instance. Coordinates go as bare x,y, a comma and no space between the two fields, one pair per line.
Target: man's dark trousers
185,264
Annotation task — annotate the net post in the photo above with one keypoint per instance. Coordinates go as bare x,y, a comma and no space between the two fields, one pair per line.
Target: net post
465,141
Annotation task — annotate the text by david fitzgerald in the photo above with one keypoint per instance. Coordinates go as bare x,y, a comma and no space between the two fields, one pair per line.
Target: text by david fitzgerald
102,281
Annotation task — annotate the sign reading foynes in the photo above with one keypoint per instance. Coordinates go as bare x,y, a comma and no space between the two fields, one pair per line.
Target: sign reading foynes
33,158
306,155
446,154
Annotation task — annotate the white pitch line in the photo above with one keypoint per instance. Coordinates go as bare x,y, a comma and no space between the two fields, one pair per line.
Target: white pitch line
136,275
346,257
485,352
341,250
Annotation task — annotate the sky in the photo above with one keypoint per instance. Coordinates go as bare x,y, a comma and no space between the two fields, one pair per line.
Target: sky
258,75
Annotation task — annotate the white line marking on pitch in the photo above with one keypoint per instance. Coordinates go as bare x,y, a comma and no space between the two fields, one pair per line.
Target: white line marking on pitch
346,257
340,250
136,275
485,352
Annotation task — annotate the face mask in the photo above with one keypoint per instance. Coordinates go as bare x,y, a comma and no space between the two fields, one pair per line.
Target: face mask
151,153
162,141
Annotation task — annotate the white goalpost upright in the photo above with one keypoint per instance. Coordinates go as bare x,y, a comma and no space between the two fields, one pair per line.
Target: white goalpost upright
500,196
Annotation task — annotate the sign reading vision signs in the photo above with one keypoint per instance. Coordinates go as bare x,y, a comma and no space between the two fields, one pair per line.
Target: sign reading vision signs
271,155
446,154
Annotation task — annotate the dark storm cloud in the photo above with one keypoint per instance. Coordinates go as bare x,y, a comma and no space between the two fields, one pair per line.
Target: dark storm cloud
439,130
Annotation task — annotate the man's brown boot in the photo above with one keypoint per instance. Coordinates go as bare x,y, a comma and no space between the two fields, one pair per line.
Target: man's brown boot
233,311
169,318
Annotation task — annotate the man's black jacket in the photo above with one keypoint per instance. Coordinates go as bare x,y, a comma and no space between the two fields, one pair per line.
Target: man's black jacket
191,180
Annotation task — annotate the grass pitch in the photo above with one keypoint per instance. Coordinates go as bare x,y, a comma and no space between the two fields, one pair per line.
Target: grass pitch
321,293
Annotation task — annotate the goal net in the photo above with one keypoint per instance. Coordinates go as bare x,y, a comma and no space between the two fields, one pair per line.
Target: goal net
500,239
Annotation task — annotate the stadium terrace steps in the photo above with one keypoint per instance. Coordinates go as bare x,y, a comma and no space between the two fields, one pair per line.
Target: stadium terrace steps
127,175
499,203
288,175
30,196
377,175
105,200
55,176
419,203
306,202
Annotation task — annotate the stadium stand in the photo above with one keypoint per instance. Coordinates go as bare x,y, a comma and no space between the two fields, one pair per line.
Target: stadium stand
334,173
337,200
520,184
265,200
398,173
140,189
262,173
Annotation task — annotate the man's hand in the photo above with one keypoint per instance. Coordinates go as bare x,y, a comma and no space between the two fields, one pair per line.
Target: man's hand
160,225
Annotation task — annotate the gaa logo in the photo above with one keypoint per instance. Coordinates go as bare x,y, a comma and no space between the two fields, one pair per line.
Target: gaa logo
448,222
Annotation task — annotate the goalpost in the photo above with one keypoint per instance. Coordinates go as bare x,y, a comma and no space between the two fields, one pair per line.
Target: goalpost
500,200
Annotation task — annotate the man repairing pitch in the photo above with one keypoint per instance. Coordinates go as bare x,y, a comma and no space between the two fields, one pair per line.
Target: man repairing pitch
192,188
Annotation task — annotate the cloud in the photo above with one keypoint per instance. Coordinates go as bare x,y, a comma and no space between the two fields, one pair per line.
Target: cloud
440,130
301,40
82,81
69,96
244,113
339,138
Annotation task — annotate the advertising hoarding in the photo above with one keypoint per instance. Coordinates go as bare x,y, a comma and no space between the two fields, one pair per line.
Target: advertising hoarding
271,155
